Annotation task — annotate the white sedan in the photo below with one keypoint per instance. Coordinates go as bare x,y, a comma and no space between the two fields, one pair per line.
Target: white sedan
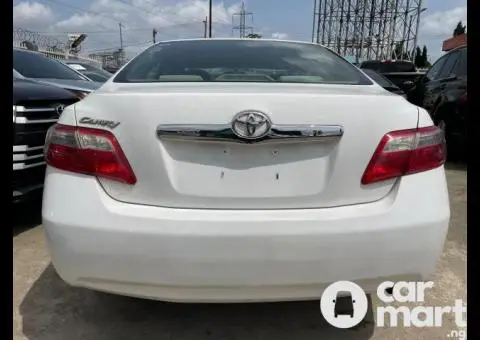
235,170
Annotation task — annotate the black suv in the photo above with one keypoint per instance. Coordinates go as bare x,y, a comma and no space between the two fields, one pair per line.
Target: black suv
401,72
442,91
36,107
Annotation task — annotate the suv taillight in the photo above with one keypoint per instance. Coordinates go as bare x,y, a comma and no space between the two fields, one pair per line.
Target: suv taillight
406,152
88,151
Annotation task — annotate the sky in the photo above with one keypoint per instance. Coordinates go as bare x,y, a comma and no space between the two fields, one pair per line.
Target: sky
173,19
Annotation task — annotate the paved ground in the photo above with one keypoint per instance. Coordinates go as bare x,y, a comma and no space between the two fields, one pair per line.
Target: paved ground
45,308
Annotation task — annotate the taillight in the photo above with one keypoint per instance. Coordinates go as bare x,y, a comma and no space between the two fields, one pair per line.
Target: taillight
463,98
406,152
88,151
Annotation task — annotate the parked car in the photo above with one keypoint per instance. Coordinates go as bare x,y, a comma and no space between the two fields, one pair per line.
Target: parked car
36,107
443,93
187,183
88,70
384,82
401,72
112,68
36,66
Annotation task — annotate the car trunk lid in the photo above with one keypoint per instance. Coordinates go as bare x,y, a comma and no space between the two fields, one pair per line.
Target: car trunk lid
221,173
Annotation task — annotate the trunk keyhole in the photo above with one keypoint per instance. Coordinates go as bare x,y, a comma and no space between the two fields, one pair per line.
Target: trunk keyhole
222,174
277,176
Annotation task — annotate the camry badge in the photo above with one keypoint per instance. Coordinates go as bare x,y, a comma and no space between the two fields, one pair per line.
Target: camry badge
101,122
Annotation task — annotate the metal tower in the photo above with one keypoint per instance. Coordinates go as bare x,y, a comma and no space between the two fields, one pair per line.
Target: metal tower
241,27
369,29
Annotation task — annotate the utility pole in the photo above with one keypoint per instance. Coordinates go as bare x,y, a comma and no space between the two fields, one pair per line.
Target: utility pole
154,33
121,42
205,27
121,37
318,22
210,19
314,18
241,27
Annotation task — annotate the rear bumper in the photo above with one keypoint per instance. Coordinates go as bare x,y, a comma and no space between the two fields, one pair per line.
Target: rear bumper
228,256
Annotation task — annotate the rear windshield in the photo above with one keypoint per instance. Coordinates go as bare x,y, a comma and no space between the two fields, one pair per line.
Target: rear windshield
95,76
252,60
85,66
35,65
379,79
387,67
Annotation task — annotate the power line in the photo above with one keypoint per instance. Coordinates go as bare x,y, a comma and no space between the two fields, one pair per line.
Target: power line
107,31
241,27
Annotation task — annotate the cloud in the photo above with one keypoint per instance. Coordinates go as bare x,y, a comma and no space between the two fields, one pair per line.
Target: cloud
278,35
32,14
442,24
182,19
438,26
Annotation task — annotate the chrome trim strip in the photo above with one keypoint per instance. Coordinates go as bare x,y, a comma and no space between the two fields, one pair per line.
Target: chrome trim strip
24,157
24,120
23,148
25,109
224,133
21,166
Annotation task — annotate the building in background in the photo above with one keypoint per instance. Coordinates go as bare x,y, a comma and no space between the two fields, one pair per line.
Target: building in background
454,42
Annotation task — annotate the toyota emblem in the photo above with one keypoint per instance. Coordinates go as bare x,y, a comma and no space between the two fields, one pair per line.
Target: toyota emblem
251,124
59,109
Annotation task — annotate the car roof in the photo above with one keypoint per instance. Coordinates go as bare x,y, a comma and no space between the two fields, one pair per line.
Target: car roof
242,39
456,49
388,61
18,49
239,39
75,61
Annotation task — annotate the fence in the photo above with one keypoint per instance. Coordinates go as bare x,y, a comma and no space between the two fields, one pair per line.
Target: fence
52,48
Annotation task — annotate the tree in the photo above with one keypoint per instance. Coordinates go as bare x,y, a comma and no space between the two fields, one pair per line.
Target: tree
254,36
425,56
418,57
460,29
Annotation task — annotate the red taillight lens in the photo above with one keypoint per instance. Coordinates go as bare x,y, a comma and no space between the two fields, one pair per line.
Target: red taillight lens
406,152
88,151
